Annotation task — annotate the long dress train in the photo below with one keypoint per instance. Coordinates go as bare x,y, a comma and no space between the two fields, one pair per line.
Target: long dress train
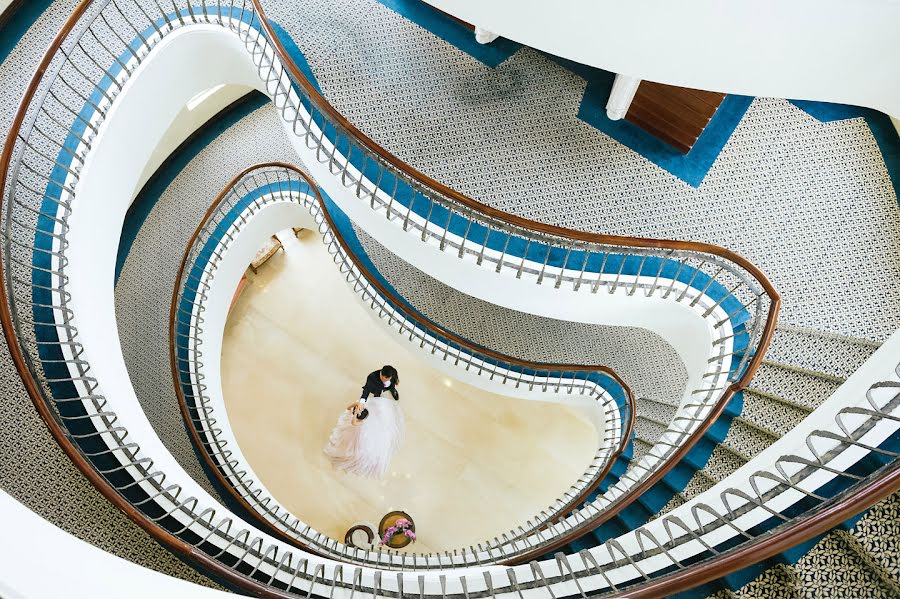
366,449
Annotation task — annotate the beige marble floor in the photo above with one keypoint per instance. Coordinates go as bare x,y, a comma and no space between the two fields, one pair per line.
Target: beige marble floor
298,346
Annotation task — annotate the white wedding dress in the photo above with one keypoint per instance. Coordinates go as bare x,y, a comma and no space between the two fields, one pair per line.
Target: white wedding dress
366,448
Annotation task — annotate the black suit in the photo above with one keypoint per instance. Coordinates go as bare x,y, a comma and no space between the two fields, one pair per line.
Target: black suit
375,387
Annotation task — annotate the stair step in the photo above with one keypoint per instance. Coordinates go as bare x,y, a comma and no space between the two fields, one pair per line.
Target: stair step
700,483
795,385
659,130
833,569
878,533
678,500
745,440
676,115
779,581
655,410
648,430
722,463
634,516
641,448
610,529
771,414
819,352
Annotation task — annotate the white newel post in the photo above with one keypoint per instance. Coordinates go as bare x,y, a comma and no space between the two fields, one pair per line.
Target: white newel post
623,90
483,36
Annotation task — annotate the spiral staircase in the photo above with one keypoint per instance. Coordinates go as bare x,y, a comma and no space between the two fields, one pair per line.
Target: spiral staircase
742,483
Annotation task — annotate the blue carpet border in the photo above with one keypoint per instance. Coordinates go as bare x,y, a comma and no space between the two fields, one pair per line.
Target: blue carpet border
690,168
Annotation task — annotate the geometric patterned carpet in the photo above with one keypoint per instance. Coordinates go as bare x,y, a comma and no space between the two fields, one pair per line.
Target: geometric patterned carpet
811,203
33,468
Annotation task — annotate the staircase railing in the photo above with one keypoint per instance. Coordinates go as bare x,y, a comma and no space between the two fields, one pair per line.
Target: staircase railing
39,185
249,193
720,285
733,295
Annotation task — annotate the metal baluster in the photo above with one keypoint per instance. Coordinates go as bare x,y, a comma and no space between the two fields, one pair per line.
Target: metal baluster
703,291
540,278
559,277
615,284
577,284
443,243
522,263
637,276
462,245
599,280
690,282
483,246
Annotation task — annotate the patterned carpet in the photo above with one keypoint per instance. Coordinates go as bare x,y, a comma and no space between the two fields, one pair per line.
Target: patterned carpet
33,468
811,203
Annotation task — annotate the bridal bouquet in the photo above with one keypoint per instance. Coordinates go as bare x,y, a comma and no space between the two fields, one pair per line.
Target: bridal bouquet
401,526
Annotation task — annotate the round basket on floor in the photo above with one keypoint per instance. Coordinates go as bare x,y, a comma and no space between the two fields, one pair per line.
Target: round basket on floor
360,536
398,541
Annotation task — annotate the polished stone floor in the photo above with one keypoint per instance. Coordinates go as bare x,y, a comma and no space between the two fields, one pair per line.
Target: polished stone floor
298,345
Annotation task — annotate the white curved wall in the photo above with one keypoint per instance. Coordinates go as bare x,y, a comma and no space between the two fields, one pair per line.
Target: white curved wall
275,217
201,57
79,569
125,143
186,63
826,50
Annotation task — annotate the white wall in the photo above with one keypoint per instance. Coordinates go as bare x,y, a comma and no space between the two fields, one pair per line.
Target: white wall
4,4
186,122
827,50
284,214
41,561
107,184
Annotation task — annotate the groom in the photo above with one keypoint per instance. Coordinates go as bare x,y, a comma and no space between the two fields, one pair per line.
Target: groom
377,382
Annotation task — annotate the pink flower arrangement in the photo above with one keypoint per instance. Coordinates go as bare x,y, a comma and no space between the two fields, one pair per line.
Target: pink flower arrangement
401,526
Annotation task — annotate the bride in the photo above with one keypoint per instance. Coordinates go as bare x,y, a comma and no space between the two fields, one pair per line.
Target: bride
366,436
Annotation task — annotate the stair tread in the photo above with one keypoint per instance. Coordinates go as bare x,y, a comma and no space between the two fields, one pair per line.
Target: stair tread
774,417
722,462
659,130
829,355
647,430
878,533
676,115
834,569
641,448
745,440
778,581
687,117
657,411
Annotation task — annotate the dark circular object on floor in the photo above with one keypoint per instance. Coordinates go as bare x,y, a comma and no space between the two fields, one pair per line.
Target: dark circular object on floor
365,529
398,541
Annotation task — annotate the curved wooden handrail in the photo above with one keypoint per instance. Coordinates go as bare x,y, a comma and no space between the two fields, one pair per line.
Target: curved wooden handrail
753,364
764,547
729,561
423,322
598,238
